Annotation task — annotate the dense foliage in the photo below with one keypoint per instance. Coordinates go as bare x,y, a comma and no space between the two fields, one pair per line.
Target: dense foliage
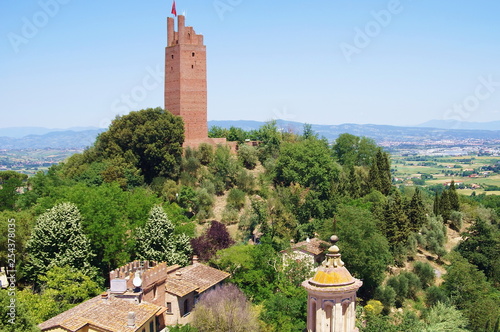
135,194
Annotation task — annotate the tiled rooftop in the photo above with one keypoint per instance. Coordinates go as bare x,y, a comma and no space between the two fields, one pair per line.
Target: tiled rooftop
198,275
314,246
109,315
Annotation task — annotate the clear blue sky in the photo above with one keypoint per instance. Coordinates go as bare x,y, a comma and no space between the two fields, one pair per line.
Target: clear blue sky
321,62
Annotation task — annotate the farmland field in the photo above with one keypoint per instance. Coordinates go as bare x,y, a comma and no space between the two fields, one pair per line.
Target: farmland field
470,173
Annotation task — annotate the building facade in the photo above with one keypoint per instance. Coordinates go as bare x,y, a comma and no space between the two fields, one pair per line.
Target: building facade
331,295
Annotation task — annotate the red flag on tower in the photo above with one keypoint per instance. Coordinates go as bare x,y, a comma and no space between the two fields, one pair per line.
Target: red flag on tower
174,11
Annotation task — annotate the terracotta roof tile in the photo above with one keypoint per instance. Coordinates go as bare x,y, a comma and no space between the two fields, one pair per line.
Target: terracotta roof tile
201,276
108,316
314,246
179,287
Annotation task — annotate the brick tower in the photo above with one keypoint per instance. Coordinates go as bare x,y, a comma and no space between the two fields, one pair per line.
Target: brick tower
186,79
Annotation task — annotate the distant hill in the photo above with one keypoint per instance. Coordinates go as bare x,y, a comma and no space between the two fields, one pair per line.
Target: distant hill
454,124
380,133
19,132
79,138
68,139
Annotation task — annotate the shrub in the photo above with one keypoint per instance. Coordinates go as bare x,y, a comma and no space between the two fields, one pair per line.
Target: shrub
245,181
215,238
203,203
225,308
247,155
435,295
425,272
170,190
230,216
456,221
205,154
374,307
386,295
236,199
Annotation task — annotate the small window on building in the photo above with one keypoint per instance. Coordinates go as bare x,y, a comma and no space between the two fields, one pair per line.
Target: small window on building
171,68
192,66
186,307
169,307
152,326
172,56
192,54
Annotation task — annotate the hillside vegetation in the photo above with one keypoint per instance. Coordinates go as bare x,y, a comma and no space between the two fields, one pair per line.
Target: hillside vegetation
428,257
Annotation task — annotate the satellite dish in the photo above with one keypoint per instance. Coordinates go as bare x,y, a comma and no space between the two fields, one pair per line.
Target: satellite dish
137,282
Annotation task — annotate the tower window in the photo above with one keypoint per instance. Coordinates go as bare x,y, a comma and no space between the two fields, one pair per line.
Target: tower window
172,56
192,54
171,68
192,66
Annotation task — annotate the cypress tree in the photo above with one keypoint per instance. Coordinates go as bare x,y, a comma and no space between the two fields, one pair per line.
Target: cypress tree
416,211
453,197
374,177
396,222
445,206
354,185
436,208
384,168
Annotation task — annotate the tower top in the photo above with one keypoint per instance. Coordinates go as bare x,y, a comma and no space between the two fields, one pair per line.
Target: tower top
332,274
184,35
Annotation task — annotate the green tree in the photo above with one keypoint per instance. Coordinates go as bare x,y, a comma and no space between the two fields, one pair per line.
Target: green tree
416,212
308,163
9,182
364,249
270,139
425,273
453,197
308,132
396,225
150,139
224,168
157,241
442,318
445,205
61,289
352,150
247,155
109,213
434,236
19,319
58,240
481,247
469,290
383,167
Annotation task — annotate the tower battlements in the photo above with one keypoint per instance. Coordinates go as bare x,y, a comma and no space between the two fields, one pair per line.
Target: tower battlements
183,35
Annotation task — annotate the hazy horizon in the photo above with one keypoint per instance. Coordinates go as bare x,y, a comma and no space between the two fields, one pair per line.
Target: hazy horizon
72,64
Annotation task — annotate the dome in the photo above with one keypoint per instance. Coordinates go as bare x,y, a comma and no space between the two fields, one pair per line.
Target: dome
332,273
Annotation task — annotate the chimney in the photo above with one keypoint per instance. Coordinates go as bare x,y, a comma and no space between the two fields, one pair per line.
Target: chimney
195,259
104,297
131,319
178,275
